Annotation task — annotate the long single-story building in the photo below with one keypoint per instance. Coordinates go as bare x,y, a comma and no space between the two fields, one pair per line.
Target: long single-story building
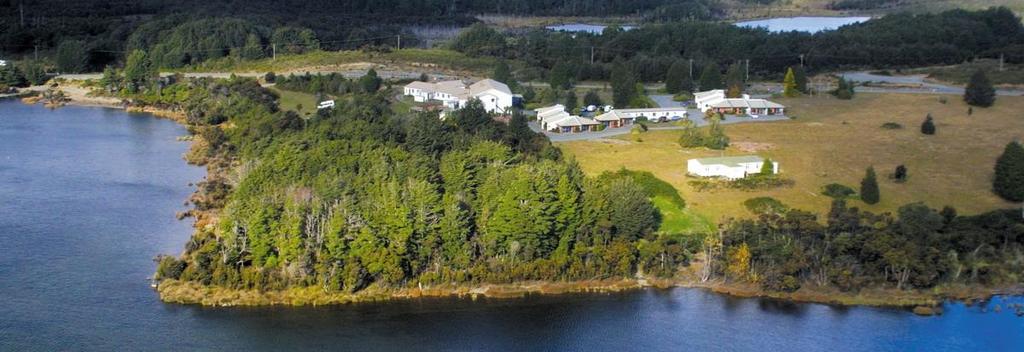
730,167
715,100
555,119
495,96
625,117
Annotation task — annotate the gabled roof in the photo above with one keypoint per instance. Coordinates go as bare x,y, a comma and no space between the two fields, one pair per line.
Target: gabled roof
450,87
745,103
610,116
730,160
574,121
669,109
420,85
705,94
488,84
547,109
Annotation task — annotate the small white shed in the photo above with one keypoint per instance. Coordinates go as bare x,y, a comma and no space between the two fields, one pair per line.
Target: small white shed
730,167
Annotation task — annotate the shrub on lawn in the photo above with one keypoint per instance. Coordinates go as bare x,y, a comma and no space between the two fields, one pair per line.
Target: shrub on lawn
892,126
837,191
762,205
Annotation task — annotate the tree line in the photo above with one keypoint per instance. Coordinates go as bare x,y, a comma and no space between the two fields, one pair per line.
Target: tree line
657,52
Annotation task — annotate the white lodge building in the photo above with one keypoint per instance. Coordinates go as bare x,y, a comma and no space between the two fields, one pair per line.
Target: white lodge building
730,167
716,101
495,96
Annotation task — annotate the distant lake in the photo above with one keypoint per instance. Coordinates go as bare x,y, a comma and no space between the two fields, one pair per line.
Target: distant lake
802,24
89,197
582,27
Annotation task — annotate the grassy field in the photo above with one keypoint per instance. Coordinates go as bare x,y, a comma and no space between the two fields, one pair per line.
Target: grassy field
290,100
960,74
835,141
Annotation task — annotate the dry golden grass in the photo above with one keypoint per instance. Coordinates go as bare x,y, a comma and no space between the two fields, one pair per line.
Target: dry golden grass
835,141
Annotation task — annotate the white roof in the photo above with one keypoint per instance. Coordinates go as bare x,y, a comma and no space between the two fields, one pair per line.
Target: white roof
745,103
669,109
609,116
420,85
488,84
570,121
547,109
704,94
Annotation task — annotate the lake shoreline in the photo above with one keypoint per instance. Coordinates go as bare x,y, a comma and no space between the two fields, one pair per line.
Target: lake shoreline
191,293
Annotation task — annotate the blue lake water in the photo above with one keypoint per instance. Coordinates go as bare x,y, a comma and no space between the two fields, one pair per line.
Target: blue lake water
802,24
583,27
89,196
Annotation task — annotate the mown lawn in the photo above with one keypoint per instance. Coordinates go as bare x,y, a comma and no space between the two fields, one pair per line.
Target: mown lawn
835,141
420,60
291,100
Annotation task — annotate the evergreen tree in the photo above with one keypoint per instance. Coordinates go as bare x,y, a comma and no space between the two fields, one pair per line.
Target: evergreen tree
734,80
11,76
623,85
789,88
800,77
979,90
768,167
1009,178
370,83
502,72
869,187
570,102
591,98
71,56
692,136
900,174
716,136
139,71
711,78
844,90
35,74
687,86
928,126
253,48
110,81
561,76
675,76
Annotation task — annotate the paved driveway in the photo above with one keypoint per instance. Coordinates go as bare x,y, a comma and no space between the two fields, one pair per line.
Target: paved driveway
921,86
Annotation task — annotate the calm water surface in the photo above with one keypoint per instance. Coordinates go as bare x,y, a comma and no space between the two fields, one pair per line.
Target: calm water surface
802,24
89,196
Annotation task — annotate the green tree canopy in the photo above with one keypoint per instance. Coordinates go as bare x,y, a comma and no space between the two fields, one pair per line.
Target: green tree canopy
1009,179
928,126
711,77
72,56
789,87
869,192
979,91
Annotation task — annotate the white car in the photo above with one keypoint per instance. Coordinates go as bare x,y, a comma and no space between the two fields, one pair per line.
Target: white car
753,116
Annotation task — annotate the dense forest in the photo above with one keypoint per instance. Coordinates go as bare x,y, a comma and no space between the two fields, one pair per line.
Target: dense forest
900,40
359,196
918,247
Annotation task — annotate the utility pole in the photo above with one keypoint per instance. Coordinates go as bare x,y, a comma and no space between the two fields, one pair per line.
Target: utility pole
399,42
36,55
1002,59
691,69
21,9
801,60
591,55
273,49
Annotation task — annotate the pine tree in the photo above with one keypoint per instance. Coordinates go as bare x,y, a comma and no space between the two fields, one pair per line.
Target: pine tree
591,98
900,174
71,56
869,187
623,85
844,90
138,70
502,73
716,136
734,80
800,76
789,87
928,127
979,91
675,76
570,102
711,78
1009,179
768,167
253,48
